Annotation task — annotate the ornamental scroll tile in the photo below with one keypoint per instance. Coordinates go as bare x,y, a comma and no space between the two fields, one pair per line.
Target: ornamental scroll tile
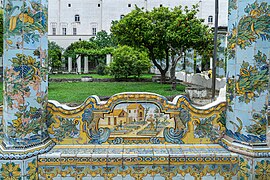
135,118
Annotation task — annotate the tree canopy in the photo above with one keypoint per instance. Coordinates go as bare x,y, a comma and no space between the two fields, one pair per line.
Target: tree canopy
129,61
71,49
164,33
103,39
55,55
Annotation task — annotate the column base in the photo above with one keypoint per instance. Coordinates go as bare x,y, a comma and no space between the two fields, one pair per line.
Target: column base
258,150
23,153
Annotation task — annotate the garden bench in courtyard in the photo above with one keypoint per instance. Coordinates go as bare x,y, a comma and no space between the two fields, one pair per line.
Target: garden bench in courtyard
137,135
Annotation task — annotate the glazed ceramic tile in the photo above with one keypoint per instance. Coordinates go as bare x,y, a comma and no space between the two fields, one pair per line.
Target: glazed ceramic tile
98,178
117,122
136,135
24,74
251,59
178,177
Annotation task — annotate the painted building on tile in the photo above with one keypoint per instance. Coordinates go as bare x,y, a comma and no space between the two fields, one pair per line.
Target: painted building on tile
117,117
135,112
71,20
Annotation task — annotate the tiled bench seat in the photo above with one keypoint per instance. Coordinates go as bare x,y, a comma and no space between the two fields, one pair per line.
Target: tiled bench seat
162,160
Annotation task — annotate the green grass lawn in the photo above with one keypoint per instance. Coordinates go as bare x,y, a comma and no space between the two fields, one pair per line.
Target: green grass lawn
77,92
78,76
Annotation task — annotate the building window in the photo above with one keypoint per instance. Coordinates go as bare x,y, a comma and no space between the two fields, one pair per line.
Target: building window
122,16
129,5
64,31
98,5
74,31
77,18
210,19
69,5
94,31
53,31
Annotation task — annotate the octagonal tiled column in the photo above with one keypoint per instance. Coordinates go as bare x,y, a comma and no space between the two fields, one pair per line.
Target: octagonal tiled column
248,75
25,73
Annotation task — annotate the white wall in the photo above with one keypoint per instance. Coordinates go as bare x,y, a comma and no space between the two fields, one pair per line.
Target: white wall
65,41
60,15
200,79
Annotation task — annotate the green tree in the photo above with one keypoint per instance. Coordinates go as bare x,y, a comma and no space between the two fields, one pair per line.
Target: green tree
103,39
164,33
128,61
96,49
1,30
187,31
71,49
55,55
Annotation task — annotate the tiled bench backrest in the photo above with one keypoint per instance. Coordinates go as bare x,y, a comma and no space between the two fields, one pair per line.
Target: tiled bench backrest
135,118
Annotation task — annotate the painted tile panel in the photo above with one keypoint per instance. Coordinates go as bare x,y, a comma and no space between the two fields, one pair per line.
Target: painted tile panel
248,36
24,73
136,118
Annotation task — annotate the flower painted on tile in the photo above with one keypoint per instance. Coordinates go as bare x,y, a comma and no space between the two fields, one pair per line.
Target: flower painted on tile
10,171
32,170
49,176
260,123
253,80
244,169
262,170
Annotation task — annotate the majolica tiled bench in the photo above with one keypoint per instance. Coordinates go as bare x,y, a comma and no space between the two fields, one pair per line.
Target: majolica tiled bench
137,135
144,161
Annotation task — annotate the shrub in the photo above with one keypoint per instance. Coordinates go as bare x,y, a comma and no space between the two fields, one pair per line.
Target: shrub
128,61
101,69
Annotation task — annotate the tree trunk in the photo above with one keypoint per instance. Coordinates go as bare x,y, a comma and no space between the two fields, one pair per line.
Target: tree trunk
173,78
172,73
162,71
163,77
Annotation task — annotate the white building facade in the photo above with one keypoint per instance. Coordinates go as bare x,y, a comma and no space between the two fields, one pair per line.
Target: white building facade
73,20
